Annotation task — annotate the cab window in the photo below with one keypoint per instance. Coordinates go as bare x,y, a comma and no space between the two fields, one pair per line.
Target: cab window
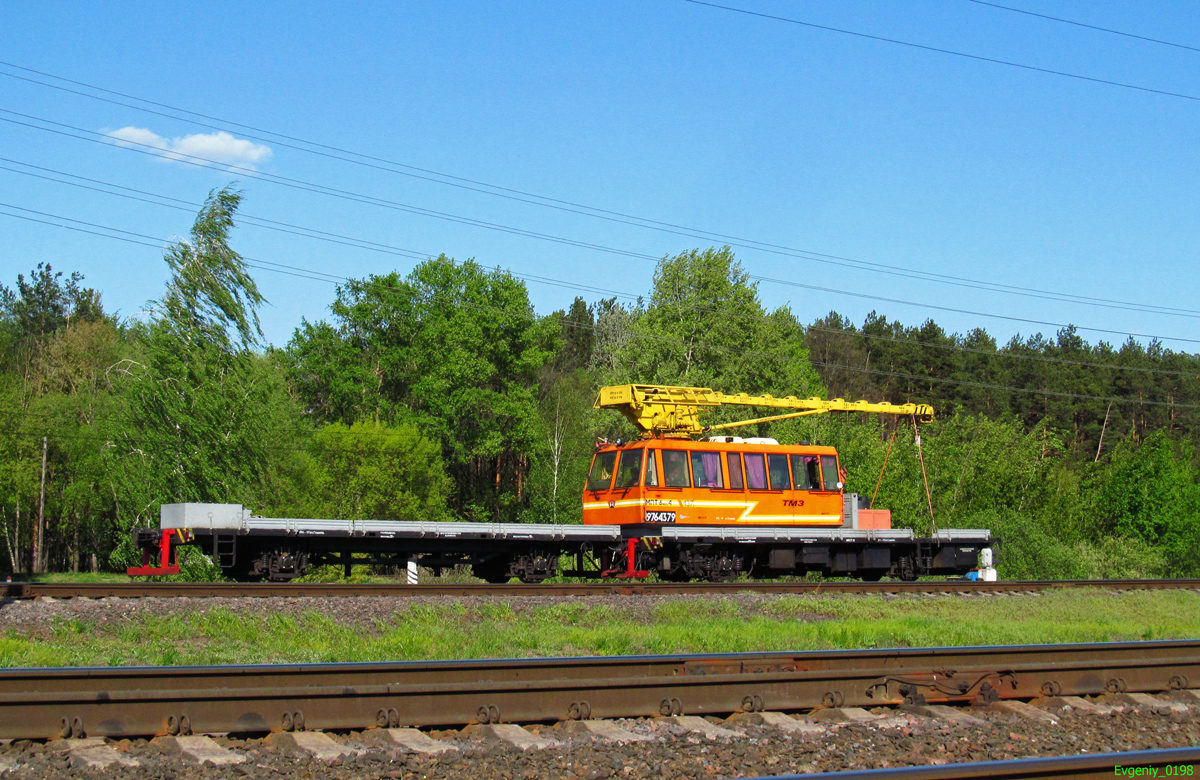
706,470
651,469
804,473
629,469
675,470
829,471
602,470
734,461
756,471
777,466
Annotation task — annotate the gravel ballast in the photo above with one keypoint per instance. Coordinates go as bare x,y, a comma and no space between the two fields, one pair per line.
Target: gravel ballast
670,752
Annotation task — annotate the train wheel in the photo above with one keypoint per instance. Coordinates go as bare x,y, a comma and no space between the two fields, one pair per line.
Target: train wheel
721,569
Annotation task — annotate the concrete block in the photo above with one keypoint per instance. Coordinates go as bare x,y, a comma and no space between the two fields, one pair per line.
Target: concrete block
1144,701
841,715
1076,703
509,734
199,749
776,720
100,757
1022,710
941,712
311,743
63,745
1186,696
698,725
891,722
409,740
601,730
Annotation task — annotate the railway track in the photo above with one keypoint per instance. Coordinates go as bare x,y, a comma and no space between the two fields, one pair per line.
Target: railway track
1091,767
357,718
29,590
46,703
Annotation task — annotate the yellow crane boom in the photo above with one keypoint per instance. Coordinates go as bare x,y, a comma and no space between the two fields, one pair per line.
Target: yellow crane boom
662,410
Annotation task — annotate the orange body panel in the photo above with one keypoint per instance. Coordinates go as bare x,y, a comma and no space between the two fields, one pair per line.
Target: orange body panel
665,481
874,519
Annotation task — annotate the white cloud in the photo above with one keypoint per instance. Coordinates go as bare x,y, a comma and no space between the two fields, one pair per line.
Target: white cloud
218,147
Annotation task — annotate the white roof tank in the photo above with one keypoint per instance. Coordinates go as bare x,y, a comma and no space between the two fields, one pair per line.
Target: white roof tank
740,440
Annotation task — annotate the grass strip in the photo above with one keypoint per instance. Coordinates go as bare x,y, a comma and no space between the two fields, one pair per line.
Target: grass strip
495,628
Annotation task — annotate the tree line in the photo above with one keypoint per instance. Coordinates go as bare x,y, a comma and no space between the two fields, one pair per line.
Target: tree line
443,395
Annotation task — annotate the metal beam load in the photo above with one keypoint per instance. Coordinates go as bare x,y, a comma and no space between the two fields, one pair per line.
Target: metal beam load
666,410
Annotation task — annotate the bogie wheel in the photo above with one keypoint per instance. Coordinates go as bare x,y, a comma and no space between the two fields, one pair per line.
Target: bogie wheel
720,573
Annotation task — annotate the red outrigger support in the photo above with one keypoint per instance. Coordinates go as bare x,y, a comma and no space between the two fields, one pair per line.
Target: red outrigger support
168,563
631,572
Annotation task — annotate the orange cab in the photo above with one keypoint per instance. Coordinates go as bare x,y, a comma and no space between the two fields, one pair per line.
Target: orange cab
727,481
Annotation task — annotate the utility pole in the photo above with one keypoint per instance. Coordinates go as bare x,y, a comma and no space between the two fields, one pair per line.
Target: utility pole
40,537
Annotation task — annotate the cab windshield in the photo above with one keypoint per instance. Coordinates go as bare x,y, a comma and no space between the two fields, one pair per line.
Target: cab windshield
629,472
829,471
602,470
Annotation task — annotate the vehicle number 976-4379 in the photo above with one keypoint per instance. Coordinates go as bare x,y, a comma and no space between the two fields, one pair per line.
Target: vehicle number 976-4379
660,517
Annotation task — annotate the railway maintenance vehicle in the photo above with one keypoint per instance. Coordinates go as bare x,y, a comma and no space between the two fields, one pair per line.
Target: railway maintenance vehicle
668,503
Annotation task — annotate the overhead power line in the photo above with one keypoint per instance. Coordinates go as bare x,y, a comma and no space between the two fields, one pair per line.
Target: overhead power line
883,298
952,52
426,174
995,353
1087,26
179,204
335,279
373,246
299,184
383,203
306,232
138,238
860,369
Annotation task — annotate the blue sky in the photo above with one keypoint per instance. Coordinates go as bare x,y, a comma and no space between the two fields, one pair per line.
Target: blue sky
664,110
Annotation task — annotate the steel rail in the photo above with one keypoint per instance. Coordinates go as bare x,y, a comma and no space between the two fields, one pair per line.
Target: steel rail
95,590
1089,767
47,702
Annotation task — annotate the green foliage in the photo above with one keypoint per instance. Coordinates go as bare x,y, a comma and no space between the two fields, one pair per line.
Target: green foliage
705,327
452,347
1063,381
568,426
206,419
441,394
194,565
211,289
1120,558
1150,493
53,383
43,304
1027,551
333,573
370,470
138,414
